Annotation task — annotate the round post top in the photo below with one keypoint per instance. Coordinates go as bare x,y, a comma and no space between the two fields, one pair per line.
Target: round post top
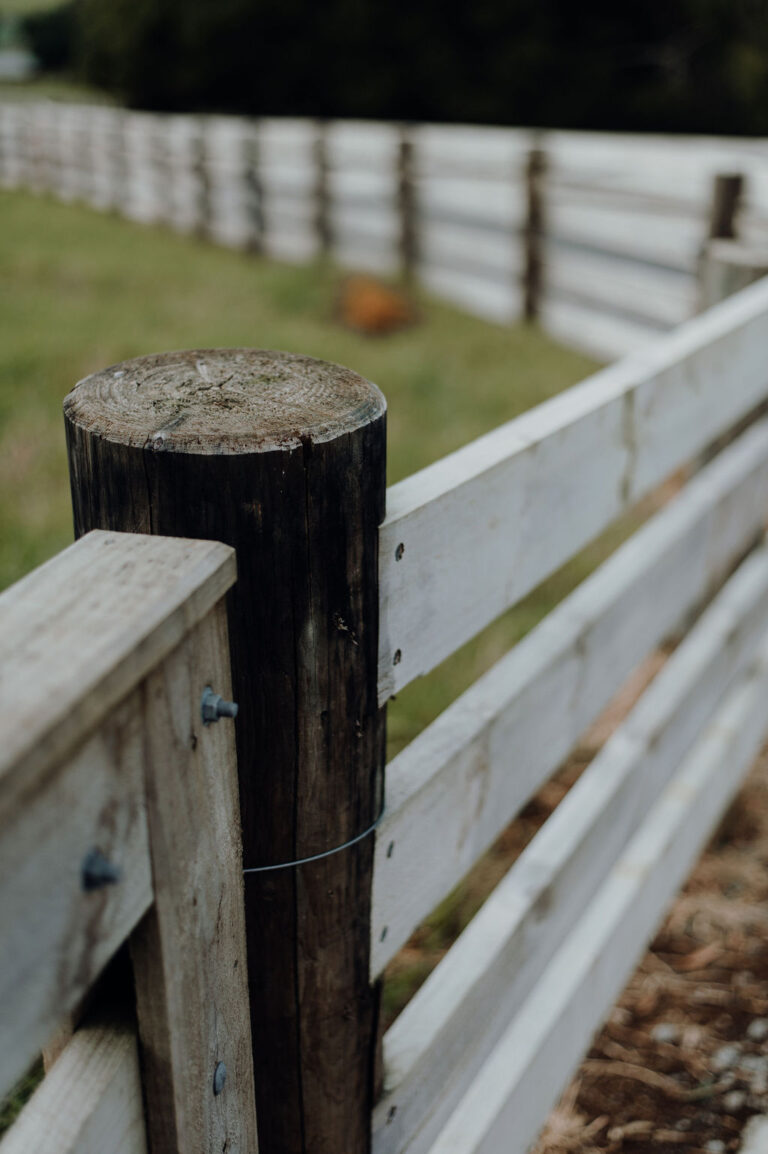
223,401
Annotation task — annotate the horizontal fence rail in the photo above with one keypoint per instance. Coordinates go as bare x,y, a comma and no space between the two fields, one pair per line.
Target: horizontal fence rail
469,536
605,254
505,1107
90,1102
115,801
456,786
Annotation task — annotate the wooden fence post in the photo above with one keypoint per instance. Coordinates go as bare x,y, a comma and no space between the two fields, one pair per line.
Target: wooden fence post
123,170
254,191
727,191
282,457
407,207
322,190
84,161
163,169
533,235
201,176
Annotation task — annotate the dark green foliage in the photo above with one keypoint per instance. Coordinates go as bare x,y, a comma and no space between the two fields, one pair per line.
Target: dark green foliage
51,36
695,65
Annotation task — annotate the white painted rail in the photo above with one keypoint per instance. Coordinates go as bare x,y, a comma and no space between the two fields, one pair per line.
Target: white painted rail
522,1078
437,1044
469,536
455,787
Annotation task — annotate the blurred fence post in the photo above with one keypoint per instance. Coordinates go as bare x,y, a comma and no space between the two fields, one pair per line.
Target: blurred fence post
533,233
322,189
201,176
407,206
253,189
727,193
282,457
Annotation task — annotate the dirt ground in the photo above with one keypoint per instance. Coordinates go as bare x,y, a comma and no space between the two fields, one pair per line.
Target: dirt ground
682,1063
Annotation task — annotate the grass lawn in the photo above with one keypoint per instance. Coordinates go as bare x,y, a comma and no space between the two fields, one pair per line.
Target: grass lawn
79,291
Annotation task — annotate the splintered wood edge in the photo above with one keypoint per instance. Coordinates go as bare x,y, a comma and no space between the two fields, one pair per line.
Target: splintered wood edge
80,632
228,401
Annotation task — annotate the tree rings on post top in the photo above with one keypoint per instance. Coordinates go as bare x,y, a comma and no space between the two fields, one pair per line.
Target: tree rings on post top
223,401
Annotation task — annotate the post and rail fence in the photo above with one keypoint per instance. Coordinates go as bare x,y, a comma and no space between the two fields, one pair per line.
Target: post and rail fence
597,236
258,939
119,838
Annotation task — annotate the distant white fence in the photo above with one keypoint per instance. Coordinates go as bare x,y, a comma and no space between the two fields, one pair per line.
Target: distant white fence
624,217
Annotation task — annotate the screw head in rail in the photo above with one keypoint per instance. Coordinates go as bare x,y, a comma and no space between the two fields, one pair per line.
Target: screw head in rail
213,707
98,871
219,1078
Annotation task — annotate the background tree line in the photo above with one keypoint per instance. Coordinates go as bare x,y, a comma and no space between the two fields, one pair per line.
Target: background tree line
685,65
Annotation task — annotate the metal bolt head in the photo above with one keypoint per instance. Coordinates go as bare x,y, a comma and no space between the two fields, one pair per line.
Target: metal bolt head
98,871
213,706
219,1077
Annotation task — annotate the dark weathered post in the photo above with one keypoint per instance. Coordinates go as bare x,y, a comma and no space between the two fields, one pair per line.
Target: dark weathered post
282,457
322,191
533,234
407,209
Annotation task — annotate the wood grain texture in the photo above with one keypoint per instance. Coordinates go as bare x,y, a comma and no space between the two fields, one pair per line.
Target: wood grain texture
189,952
80,633
509,1101
283,458
91,1103
56,937
470,535
439,1041
455,787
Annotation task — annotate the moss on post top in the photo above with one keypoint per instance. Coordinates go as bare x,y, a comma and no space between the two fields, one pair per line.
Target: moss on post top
223,401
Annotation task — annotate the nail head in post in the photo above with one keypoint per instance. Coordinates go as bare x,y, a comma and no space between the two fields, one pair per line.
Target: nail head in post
98,871
219,1078
213,706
